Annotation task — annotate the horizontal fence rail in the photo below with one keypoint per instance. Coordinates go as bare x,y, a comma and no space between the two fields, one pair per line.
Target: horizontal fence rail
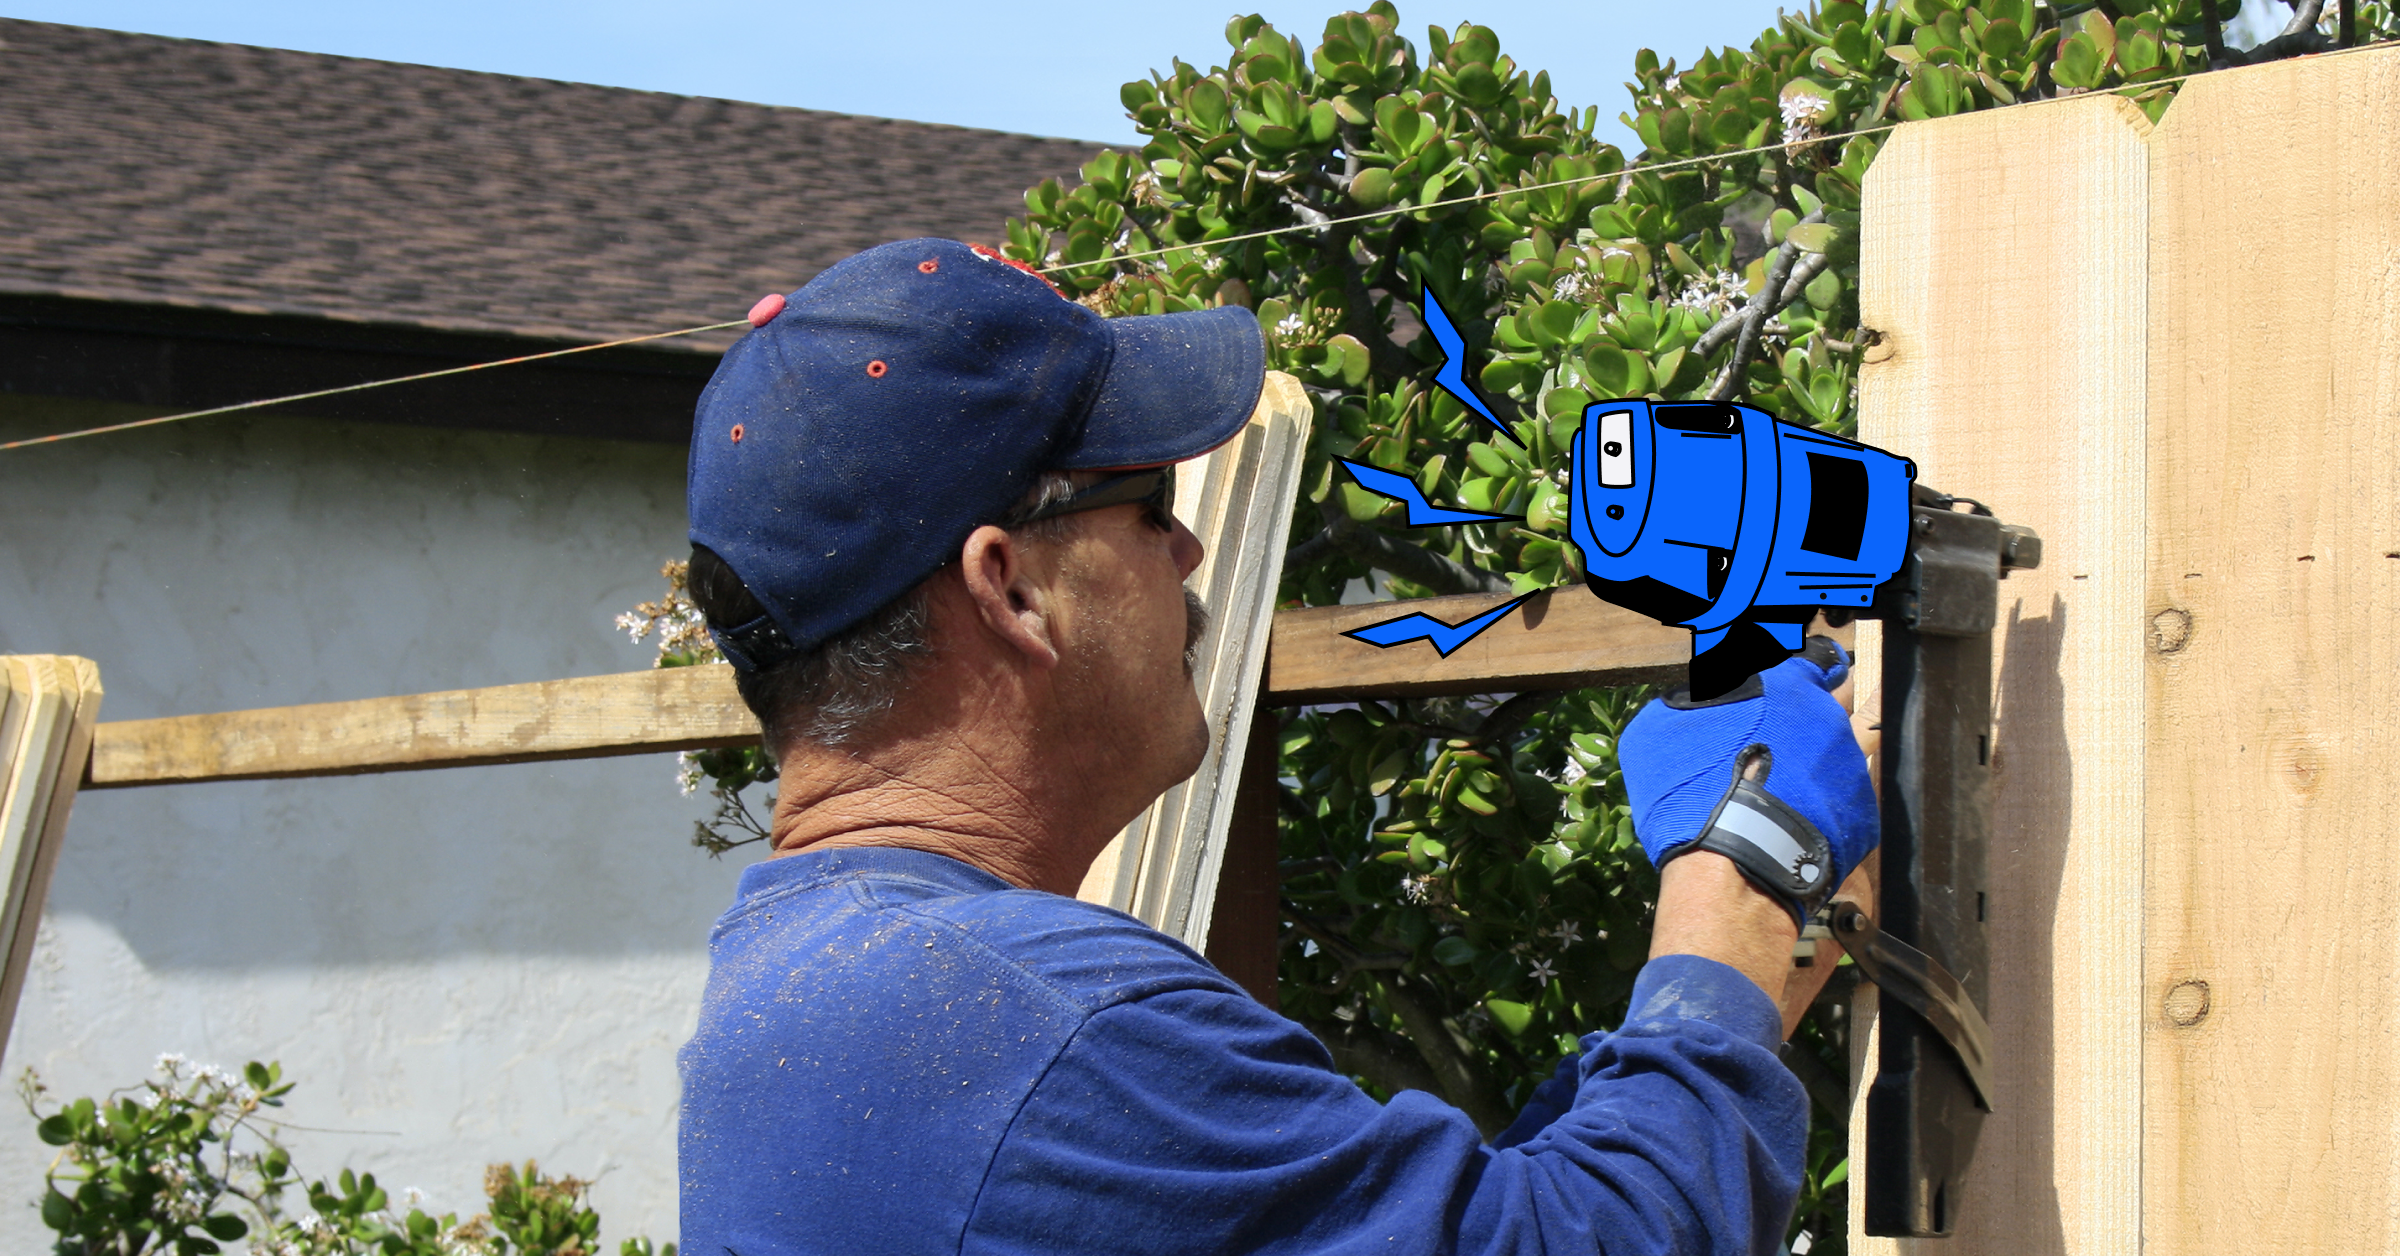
1565,638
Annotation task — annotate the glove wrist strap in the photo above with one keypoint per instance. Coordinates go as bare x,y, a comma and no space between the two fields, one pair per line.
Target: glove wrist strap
1775,847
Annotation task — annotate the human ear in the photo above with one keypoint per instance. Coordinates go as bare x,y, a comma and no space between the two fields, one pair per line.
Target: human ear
1011,594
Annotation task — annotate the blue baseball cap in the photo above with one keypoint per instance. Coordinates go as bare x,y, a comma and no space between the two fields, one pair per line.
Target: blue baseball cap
905,396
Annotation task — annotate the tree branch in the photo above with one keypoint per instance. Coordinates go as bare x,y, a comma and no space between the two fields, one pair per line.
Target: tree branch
1730,326
1310,552
2298,37
1344,951
1509,716
1462,1083
1384,1058
1413,563
1779,273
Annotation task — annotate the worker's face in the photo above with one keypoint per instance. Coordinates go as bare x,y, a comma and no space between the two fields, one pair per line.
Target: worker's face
1125,680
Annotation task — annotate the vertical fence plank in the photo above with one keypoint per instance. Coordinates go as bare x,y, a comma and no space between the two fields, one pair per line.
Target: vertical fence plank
48,704
2269,1049
2003,262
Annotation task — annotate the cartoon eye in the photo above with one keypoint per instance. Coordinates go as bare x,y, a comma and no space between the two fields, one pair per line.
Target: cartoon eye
1616,450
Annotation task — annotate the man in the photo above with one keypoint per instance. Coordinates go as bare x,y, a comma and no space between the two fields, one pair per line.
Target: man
930,531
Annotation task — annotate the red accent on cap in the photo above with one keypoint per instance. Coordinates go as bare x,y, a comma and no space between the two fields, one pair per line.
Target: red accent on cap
876,368
985,250
929,265
767,308
736,433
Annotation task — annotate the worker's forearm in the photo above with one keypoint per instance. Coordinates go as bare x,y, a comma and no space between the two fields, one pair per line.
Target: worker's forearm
1706,908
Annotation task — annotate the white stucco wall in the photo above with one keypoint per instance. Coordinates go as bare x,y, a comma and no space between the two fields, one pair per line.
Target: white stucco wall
457,966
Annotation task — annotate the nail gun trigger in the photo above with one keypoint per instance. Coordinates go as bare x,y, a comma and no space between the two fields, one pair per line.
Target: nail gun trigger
1920,983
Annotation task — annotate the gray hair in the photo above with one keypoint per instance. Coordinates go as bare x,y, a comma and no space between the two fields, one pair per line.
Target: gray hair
831,694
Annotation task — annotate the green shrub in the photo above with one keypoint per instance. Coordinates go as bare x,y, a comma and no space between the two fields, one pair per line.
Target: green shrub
189,1160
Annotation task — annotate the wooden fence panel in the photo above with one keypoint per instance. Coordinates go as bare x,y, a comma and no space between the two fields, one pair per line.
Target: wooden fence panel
2271,1051
2003,263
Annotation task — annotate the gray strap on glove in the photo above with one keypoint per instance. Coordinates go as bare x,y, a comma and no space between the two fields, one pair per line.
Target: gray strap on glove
1775,847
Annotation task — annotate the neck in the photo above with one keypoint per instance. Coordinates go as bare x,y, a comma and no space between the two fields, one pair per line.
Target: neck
956,770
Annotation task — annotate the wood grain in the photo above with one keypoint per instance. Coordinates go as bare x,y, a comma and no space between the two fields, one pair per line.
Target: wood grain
2002,261
48,705
680,708
1559,639
2269,1056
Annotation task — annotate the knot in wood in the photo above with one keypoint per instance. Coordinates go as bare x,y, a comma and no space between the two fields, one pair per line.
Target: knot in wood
2170,630
2187,1003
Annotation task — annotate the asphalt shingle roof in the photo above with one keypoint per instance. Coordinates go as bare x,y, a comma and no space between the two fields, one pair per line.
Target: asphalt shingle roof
138,168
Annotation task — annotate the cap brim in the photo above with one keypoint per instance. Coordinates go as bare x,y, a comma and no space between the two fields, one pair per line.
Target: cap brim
1178,386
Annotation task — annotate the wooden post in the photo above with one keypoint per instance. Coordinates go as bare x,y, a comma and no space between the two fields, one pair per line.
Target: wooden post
2270,1022
48,704
2003,263
1245,929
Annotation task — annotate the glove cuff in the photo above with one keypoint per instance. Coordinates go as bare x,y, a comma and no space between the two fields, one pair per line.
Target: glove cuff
1776,848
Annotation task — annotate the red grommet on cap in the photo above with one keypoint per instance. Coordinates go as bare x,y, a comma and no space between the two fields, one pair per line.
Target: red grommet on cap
876,368
929,265
767,308
736,433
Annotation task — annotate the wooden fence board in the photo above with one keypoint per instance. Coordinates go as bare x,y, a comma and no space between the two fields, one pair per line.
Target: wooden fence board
681,708
2269,1061
1557,640
2002,260
48,704
1560,639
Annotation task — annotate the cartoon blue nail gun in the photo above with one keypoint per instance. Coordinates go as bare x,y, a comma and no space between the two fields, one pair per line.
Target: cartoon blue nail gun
1725,520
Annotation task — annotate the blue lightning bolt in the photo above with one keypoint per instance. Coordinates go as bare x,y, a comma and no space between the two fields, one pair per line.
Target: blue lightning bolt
1453,375
1400,488
1423,627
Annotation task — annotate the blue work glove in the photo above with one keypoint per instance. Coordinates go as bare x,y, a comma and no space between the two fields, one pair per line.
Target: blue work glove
1805,817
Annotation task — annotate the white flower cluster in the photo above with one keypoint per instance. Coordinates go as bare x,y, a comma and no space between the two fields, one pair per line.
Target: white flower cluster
1800,113
687,772
1146,191
1418,889
1290,325
1712,294
175,1068
185,1200
1570,286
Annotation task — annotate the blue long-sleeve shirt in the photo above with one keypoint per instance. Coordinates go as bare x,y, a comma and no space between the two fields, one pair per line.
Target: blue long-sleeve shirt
898,1053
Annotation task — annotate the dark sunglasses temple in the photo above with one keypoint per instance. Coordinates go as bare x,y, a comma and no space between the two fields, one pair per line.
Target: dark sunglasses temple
1154,487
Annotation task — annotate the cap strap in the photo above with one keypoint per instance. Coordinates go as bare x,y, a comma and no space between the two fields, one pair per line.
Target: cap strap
754,646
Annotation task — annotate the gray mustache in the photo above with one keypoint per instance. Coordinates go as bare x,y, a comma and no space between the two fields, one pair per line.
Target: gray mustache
1195,625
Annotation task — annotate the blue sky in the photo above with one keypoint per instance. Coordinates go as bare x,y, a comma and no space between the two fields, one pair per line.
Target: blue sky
1044,68
1048,68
